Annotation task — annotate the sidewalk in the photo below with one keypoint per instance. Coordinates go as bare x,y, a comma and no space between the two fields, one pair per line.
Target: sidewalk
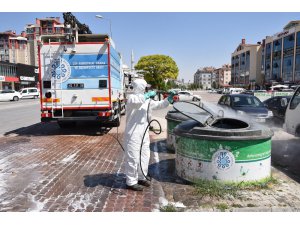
284,196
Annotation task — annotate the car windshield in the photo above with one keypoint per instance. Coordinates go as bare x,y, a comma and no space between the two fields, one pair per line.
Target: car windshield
249,101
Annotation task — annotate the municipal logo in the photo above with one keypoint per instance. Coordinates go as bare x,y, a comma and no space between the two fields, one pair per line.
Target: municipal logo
223,159
60,70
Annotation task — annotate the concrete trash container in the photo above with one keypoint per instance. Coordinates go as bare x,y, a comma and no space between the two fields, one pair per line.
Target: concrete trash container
173,118
227,150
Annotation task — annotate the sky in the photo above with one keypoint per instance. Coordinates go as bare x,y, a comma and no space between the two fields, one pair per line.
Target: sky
192,39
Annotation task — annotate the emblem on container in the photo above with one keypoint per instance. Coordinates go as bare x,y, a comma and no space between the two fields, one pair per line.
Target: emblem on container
223,159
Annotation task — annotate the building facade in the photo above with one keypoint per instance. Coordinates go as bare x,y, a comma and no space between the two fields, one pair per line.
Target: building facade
223,76
46,26
281,56
8,75
246,65
205,77
13,48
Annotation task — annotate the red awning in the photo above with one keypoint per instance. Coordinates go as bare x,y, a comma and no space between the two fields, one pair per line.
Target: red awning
11,79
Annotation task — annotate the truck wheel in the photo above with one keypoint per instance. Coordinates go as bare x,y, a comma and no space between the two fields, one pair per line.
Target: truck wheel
66,124
195,99
15,98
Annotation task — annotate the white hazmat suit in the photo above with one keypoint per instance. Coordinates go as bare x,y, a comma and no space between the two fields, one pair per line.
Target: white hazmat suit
136,124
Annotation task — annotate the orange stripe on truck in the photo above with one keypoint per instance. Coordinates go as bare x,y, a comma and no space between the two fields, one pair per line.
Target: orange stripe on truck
49,100
100,99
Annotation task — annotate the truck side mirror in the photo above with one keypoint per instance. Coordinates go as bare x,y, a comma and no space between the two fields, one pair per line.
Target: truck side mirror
283,102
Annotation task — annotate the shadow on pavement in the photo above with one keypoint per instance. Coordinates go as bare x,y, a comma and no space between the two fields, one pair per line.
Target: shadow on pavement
117,181
164,171
286,157
48,129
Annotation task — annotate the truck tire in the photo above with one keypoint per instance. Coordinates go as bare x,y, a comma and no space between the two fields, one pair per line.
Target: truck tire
66,124
15,98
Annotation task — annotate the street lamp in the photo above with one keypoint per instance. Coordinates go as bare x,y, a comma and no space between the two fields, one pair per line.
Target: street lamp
101,17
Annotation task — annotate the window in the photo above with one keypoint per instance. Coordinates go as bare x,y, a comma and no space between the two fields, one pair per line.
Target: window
288,41
32,90
298,39
277,45
227,101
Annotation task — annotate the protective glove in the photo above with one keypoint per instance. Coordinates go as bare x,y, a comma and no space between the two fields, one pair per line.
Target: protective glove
171,95
149,94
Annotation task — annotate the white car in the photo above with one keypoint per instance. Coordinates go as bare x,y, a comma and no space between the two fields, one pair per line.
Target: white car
30,93
9,95
187,96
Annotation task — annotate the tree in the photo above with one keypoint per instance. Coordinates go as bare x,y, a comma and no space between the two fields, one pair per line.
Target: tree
214,85
156,69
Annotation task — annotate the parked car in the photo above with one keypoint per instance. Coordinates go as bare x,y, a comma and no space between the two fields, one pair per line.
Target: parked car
275,105
248,92
187,96
9,95
212,91
248,104
30,93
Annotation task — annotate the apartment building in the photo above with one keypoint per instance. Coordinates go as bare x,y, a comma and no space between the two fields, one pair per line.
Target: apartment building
13,47
246,65
223,75
43,26
281,55
206,77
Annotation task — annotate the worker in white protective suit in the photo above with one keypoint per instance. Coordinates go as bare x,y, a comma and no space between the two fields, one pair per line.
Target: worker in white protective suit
136,124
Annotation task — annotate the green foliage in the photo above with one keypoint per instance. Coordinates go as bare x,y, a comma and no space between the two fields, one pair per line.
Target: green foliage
195,86
219,189
168,208
222,206
156,69
214,85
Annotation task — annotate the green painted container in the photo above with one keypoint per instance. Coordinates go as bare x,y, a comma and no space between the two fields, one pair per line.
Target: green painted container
228,150
173,118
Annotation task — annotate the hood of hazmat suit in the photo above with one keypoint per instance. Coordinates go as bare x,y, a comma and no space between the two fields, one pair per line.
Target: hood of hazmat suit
136,124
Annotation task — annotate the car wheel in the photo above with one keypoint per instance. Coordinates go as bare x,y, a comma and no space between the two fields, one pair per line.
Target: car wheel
15,98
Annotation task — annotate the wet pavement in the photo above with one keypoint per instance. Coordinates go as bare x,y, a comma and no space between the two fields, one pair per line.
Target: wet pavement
45,168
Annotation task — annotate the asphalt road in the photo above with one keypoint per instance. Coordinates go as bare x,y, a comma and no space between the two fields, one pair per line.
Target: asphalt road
18,115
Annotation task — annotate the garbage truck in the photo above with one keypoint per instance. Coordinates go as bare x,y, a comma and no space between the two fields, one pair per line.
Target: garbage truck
81,79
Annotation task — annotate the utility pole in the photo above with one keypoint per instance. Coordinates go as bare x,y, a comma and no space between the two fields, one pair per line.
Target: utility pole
132,61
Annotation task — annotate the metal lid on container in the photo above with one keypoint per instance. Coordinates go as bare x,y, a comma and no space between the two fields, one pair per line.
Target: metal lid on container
195,112
176,116
246,131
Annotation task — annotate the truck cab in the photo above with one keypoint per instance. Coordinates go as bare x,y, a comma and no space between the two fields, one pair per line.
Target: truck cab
292,118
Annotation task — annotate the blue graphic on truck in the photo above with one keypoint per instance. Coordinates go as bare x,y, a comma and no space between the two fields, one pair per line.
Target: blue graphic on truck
82,66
